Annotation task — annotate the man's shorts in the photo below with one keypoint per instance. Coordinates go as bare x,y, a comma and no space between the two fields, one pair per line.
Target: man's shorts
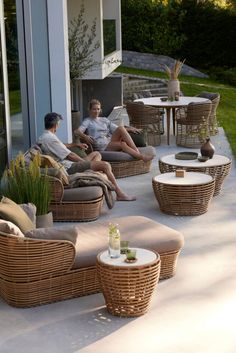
79,167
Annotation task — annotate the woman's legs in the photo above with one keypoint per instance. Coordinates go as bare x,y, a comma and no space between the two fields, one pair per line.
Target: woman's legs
93,156
121,141
101,166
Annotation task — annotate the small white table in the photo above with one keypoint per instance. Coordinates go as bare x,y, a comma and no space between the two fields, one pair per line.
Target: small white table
218,167
184,196
128,287
171,106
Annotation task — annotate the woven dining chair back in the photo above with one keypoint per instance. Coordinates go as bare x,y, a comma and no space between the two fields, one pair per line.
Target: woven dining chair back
146,118
192,127
213,123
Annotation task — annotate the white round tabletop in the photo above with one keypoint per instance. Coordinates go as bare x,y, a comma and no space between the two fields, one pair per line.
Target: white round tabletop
217,160
182,102
144,257
190,178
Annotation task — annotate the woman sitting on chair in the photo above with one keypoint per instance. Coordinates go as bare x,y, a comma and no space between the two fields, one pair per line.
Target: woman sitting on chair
106,136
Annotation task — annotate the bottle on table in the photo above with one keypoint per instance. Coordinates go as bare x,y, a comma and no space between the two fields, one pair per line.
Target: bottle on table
114,241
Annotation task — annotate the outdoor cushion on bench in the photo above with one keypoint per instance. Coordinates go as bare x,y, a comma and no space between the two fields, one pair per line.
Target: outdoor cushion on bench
40,271
124,165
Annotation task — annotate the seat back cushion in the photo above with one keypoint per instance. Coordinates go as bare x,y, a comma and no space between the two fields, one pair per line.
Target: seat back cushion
12,212
69,233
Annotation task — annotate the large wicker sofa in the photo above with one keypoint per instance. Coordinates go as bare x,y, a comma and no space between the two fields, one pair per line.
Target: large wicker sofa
39,271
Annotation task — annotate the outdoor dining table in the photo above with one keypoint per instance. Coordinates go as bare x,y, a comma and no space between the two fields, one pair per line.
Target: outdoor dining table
170,106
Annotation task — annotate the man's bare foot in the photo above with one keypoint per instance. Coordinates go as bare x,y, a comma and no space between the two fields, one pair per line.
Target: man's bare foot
124,197
147,157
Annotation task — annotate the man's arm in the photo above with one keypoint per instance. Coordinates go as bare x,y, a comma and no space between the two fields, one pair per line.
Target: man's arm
74,157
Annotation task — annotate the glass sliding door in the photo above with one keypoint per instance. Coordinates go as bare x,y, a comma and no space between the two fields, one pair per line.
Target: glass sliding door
16,117
3,97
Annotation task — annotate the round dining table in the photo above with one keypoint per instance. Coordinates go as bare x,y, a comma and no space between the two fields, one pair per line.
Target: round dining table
170,106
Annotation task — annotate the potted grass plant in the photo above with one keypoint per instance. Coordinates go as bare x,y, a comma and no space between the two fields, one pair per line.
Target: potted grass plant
24,184
173,84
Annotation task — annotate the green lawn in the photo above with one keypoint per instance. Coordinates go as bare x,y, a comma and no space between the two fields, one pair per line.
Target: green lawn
15,102
190,86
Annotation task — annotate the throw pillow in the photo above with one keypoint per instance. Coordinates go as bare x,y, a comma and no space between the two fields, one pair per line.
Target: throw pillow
12,212
69,233
10,228
30,209
48,161
139,139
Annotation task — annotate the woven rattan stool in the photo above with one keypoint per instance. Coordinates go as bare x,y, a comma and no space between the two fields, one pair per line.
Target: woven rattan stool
218,167
128,287
187,196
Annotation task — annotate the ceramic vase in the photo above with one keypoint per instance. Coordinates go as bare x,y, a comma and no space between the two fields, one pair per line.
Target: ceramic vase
207,149
44,221
173,86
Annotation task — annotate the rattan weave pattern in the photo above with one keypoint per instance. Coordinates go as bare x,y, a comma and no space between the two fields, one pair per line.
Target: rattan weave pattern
128,290
219,173
77,211
35,272
183,200
123,169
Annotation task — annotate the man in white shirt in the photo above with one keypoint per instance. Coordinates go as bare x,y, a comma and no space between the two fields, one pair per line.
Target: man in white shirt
51,145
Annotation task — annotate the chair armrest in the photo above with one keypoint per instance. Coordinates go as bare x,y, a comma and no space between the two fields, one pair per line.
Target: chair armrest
57,189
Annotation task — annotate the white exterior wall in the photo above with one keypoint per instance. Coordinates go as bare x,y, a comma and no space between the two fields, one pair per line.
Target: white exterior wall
100,9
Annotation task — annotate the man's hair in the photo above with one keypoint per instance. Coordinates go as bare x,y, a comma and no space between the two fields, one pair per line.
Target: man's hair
51,119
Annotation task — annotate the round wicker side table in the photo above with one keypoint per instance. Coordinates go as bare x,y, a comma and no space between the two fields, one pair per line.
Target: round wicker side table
218,167
188,196
128,287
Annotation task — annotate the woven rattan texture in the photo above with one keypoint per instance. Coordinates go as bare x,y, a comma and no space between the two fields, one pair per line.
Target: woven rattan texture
35,272
192,128
183,200
128,290
218,172
77,211
213,123
148,119
129,168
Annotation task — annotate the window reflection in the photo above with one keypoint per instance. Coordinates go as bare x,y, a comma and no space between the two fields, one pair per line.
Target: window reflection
13,76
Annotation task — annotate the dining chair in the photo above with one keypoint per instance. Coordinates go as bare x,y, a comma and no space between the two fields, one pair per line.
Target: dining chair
146,118
192,125
215,99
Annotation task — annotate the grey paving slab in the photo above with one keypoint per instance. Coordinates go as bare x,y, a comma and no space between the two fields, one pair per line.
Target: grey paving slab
192,312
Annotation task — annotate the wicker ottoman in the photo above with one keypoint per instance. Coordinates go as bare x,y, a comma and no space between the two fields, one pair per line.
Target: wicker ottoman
128,287
188,196
218,167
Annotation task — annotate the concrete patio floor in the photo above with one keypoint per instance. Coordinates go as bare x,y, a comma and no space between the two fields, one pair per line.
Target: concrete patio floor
193,312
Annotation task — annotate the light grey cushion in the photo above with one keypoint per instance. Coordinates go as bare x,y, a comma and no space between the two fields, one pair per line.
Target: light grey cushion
12,212
139,231
69,233
82,193
10,228
116,156
30,209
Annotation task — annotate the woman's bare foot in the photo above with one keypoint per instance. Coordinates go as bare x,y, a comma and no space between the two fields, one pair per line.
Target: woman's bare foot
124,197
147,157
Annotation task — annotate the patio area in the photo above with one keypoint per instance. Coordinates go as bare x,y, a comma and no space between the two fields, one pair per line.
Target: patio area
192,312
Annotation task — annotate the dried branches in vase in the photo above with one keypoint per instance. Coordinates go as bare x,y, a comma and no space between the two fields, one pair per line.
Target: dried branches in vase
174,71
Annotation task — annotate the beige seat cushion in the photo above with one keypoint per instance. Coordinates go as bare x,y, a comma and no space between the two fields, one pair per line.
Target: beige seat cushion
82,193
140,231
116,156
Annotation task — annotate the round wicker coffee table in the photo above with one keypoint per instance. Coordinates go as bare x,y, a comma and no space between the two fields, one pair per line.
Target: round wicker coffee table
187,196
128,287
218,167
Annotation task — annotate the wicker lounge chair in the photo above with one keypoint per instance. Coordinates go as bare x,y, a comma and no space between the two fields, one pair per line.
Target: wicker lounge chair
147,118
192,124
40,271
215,99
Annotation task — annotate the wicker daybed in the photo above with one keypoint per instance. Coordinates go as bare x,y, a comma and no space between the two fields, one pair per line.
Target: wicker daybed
40,271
